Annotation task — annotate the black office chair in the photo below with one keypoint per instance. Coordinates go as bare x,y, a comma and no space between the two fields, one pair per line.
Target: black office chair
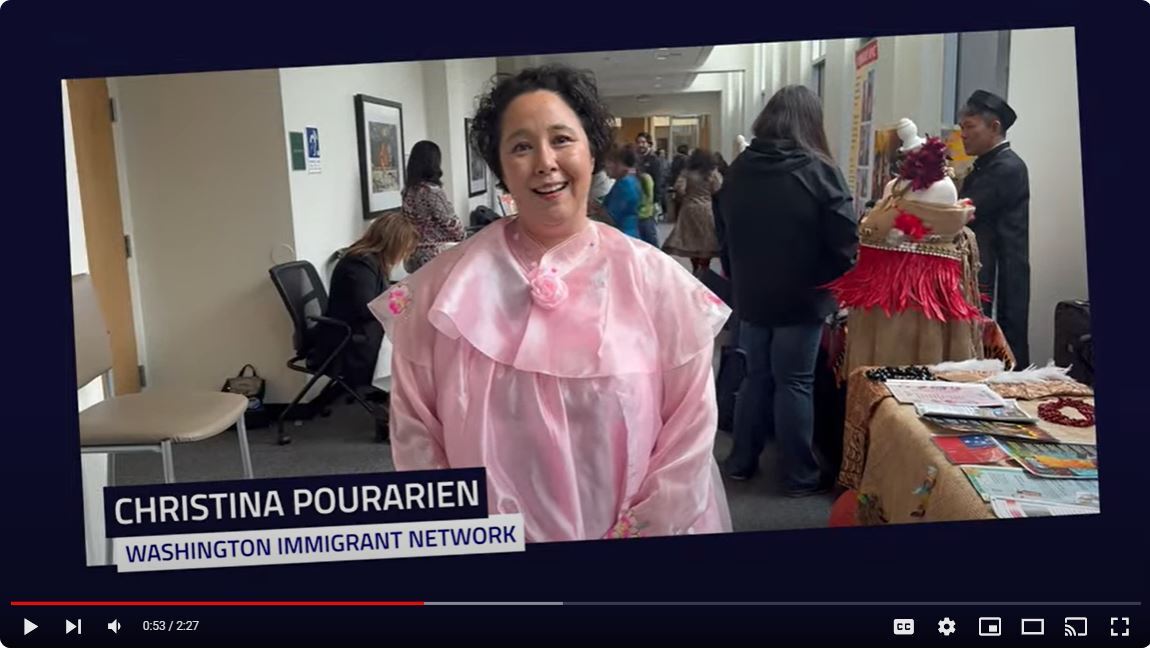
306,300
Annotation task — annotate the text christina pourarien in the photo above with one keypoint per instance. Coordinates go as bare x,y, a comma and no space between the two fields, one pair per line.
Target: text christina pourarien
255,504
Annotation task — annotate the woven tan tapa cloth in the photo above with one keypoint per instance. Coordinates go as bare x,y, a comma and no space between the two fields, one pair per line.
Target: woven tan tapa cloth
864,397
909,480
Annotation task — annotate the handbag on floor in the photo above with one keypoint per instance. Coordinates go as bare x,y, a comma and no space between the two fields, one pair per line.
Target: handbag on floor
252,387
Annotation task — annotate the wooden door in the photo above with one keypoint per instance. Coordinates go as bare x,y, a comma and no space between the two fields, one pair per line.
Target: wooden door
103,223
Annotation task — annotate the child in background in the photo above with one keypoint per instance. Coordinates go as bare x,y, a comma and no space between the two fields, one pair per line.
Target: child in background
622,202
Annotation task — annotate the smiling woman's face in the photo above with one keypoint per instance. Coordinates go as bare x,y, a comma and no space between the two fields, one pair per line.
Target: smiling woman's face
547,164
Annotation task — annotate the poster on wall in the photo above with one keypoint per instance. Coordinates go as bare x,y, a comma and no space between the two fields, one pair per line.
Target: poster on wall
960,161
476,168
379,127
862,125
886,144
313,160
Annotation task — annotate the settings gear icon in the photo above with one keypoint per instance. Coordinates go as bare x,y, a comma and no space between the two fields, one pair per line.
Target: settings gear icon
946,627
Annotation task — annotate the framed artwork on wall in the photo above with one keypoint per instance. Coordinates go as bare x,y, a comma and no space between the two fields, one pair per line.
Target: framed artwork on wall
476,168
379,128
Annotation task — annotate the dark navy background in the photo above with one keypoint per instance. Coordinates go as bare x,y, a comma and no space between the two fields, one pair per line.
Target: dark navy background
285,488
1098,558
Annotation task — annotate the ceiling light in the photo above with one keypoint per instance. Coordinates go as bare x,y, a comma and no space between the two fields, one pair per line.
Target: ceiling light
662,57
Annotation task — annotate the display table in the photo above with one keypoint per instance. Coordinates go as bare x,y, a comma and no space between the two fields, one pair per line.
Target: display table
898,472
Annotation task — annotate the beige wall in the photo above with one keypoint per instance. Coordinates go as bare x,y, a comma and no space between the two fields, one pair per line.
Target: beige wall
94,467
211,212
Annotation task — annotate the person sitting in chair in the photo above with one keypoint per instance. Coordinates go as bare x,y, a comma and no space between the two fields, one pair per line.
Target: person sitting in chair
362,274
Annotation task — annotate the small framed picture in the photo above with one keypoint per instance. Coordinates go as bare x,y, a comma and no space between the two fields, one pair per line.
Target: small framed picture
379,127
476,168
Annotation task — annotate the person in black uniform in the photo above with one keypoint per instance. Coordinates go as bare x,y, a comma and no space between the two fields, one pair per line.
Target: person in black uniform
999,187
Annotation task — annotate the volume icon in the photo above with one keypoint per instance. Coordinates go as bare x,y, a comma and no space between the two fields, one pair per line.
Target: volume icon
114,626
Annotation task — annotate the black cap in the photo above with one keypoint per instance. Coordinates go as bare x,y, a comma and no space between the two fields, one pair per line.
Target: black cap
988,101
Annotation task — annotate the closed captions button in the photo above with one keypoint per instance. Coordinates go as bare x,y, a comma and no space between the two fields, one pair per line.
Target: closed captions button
904,626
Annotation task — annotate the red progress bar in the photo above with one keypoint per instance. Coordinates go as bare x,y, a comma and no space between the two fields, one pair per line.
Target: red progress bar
215,603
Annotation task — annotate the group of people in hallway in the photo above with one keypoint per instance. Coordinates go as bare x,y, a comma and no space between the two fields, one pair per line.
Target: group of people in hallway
636,186
574,361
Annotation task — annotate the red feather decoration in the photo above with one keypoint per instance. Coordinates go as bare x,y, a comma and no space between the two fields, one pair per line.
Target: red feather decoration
911,226
896,281
926,165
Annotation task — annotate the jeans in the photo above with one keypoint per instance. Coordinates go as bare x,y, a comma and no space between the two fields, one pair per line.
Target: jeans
776,398
648,232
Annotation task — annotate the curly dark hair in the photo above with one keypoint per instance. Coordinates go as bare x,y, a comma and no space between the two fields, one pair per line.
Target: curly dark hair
701,161
577,88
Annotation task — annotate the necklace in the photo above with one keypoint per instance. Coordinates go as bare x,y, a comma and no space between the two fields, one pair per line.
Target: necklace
905,372
1052,412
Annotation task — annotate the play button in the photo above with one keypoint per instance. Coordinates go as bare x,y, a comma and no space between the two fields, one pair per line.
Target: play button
29,626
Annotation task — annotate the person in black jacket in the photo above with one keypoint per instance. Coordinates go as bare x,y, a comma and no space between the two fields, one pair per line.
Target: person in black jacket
790,229
359,277
720,226
999,186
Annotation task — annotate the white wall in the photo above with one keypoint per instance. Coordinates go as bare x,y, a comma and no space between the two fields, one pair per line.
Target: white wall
908,81
467,79
326,209
435,98
1043,89
211,212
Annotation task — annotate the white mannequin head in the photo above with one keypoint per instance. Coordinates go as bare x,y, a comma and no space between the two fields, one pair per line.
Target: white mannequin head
908,133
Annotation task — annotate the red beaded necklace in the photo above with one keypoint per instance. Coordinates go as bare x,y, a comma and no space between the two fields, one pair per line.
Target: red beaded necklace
1052,412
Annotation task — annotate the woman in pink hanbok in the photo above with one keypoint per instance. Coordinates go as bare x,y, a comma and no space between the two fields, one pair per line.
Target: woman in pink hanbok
571,361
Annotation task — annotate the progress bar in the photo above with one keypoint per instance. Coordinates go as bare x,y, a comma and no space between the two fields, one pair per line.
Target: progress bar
420,603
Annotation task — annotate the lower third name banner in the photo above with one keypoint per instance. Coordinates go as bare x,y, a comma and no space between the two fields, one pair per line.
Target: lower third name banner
495,534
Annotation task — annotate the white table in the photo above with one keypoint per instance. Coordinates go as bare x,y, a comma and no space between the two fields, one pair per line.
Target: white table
381,378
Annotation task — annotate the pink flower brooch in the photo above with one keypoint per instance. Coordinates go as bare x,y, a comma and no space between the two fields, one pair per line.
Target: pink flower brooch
398,299
548,290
